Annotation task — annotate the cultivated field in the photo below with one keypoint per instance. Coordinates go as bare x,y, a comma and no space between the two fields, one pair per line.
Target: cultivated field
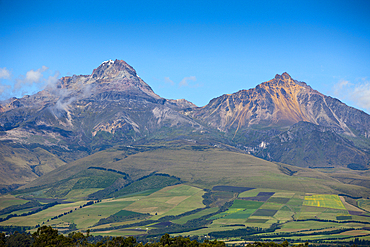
213,192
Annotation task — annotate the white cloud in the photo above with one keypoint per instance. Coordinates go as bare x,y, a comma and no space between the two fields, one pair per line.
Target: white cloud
338,88
359,93
184,82
52,80
35,76
4,73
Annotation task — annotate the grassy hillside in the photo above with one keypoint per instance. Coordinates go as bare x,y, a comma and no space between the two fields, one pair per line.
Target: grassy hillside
21,165
202,166
190,188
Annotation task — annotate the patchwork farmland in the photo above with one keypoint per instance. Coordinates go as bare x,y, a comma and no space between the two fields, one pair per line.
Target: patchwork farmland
223,212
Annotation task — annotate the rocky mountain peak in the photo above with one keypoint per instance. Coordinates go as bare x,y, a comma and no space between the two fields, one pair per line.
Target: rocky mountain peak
108,76
284,76
286,80
111,69
281,101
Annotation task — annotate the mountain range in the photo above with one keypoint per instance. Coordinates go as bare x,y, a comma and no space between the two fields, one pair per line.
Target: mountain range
281,120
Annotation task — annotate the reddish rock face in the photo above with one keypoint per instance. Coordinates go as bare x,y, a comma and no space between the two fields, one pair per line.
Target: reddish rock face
282,102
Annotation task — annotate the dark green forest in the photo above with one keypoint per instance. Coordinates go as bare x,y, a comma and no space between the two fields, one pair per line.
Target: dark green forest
46,236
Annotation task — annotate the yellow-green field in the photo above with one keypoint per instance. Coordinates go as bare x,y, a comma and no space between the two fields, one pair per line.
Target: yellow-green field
79,193
325,201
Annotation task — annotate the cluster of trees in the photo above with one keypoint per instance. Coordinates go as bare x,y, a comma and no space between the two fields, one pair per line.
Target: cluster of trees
58,216
47,236
90,203
11,229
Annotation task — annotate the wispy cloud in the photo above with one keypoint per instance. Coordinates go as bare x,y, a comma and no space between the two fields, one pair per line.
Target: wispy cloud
338,88
184,82
4,73
168,80
357,93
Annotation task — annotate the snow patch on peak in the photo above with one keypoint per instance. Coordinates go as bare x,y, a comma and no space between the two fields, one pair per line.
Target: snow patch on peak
110,61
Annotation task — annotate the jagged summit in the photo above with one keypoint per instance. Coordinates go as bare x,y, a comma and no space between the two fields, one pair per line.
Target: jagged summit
110,75
284,76
108,61
112,69
285,79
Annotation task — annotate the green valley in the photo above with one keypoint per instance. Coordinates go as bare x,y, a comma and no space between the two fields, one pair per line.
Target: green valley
191,189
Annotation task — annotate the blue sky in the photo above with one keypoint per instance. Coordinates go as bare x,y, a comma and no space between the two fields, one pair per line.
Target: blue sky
195,50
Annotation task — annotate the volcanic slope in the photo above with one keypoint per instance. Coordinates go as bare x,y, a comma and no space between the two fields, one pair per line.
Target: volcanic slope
281,120
83,114
287,121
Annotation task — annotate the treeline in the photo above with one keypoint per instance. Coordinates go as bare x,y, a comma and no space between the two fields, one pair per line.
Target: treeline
47,236
68,212
243,232
283,235
10,209
120,218
31,212
335,221
125,175
12,229
123,187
